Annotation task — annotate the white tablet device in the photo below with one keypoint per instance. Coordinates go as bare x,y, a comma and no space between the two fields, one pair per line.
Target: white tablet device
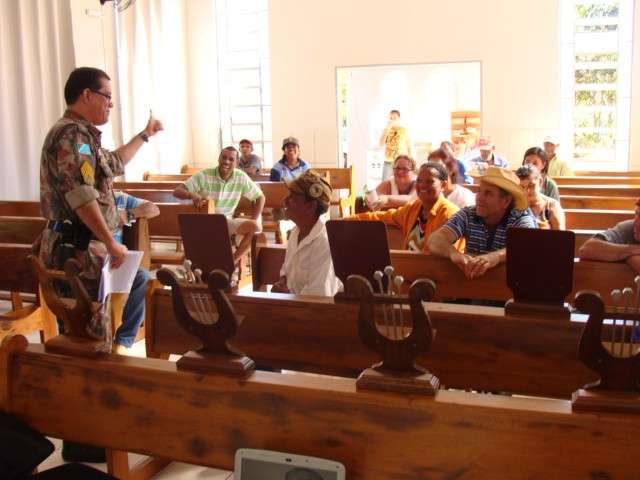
251,464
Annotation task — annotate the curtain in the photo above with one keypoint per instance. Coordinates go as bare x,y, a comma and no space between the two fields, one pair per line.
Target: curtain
167,64
36,55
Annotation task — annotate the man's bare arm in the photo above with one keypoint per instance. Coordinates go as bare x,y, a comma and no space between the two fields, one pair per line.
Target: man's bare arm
597,249
257,207
146,210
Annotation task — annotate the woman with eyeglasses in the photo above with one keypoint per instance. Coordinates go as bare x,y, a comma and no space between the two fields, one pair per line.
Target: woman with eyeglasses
537,157
545,209
423,215
400,188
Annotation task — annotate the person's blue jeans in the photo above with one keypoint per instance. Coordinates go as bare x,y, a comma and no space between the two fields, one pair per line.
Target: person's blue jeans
133,314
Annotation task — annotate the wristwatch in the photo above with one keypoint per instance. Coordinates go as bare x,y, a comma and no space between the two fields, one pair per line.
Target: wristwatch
144,136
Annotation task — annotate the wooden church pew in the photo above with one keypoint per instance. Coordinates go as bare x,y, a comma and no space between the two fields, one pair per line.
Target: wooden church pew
597,202
591,173
151,407
451,282
581,219
19,279
597,180
475,347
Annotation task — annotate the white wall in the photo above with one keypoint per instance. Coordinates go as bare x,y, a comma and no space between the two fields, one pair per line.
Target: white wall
517,43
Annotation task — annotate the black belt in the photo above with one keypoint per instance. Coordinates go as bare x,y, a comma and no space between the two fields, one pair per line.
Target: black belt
57,225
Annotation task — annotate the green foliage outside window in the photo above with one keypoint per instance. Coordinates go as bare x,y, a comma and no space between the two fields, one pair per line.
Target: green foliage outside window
596,10
596,57
604,75
590,97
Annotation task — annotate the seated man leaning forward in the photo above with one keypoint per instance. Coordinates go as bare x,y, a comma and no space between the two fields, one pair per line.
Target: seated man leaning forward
225,185
308,268
424,215
500,203
618,244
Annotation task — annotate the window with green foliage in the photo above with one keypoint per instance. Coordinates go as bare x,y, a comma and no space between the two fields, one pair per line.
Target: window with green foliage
596,40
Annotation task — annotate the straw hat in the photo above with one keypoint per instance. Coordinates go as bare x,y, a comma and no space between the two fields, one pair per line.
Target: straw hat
312,185
507,181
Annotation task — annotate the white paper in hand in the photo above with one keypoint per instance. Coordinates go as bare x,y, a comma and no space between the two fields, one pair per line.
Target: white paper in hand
120,279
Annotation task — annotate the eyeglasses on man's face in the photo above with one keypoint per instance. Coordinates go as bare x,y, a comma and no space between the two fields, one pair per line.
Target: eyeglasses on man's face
105,95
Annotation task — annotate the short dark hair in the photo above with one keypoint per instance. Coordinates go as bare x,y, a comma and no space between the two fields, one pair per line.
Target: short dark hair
528,172
441,171
80,79
231,149
397,112
541,154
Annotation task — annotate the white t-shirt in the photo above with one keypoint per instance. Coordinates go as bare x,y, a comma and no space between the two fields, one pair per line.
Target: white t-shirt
308,265
462,197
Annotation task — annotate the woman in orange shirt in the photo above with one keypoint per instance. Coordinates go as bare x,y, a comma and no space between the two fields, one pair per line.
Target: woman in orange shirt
424,215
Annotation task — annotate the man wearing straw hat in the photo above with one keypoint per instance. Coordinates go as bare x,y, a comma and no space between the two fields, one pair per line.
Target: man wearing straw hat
500,203
307,268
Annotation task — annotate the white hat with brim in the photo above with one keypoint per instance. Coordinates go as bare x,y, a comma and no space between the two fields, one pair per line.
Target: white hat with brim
507,181
552,139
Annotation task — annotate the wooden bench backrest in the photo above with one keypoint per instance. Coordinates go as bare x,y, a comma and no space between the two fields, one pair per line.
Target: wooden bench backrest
20,209
339,178
157,177
148,406
21,229
451,282
590,173
580,219
161,185
274,195
597,202
593,180
475,347
166,224
600,190
18,274
589,190
156,196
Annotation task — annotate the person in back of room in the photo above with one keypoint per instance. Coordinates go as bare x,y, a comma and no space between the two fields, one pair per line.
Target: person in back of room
248,162
449,148
424,215
225,185
500,204
556,167
547,210
487,158
538,157
307,268
453,191
398,189
396,141
290,165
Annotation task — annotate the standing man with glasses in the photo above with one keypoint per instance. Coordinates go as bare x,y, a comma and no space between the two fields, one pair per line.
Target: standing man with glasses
76,197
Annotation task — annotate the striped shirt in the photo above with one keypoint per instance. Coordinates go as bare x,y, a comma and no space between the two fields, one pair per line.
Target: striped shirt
466,223
225,194
125,202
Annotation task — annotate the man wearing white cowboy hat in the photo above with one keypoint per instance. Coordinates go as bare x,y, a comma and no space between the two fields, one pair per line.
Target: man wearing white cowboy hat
500,203
556,168
308,267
